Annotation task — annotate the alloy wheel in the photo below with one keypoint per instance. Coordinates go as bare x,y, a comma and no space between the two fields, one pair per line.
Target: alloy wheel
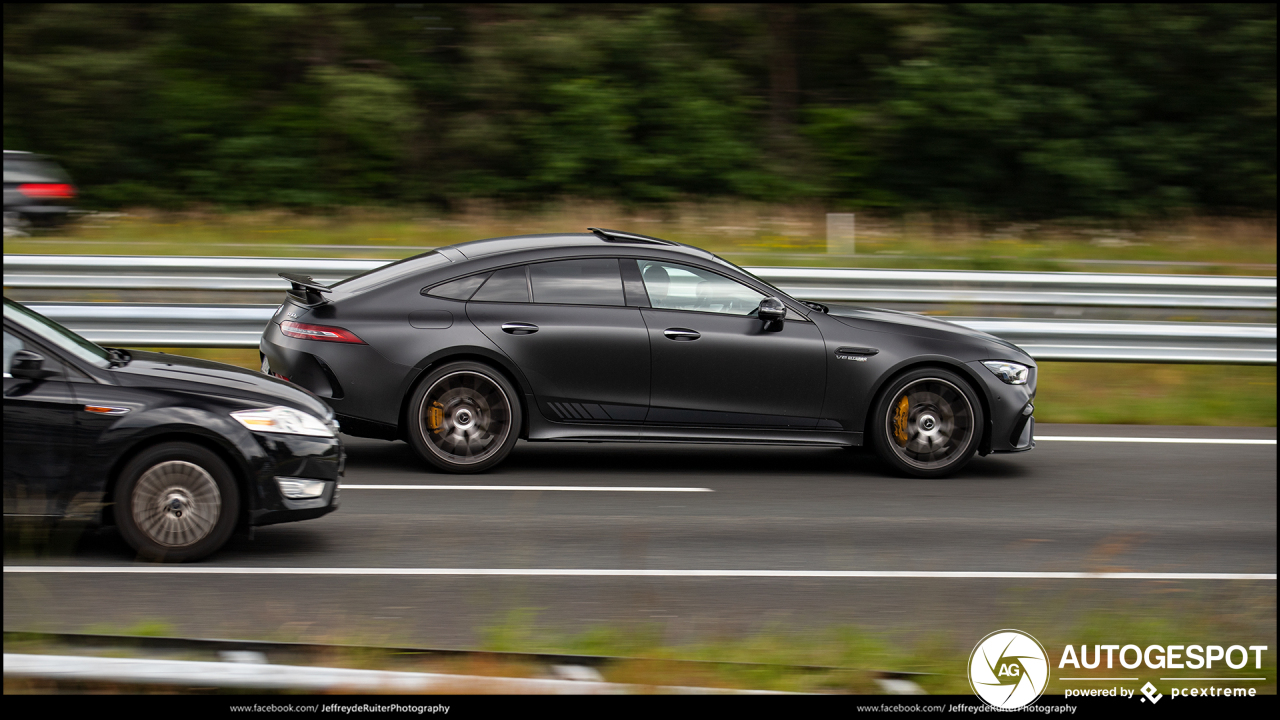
930,424
465,418
176,503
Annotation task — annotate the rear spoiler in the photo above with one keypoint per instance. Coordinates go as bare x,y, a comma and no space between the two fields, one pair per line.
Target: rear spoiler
306,290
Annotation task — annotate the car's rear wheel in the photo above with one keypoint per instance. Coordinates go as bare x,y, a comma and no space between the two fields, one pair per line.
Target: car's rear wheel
927,423
464,418
176,502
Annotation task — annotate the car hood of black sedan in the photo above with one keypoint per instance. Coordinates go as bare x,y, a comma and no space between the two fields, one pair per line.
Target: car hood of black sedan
161,370
906,322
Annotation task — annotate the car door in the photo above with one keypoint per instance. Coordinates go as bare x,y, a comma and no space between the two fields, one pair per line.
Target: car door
568,326
715,364
39,432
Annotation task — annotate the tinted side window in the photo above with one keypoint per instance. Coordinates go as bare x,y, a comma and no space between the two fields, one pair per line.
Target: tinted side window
61,371
577,282
458,289
509,285
681,287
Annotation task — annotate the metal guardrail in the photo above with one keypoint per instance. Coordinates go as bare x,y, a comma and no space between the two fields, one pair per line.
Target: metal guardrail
821,284
242,325
226,325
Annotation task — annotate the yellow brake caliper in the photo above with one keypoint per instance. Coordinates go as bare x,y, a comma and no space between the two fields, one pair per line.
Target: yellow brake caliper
900,422
435,417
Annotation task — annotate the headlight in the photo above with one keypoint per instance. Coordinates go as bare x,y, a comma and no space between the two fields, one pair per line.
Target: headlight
282,420
1010,372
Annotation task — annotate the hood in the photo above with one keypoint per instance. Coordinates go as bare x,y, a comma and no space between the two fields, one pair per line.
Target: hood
912,324
175,372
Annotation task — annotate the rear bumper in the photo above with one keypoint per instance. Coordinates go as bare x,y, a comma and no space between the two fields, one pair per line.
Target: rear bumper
355,380
41,214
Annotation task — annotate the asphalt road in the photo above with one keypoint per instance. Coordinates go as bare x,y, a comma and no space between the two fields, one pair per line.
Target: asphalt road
1175,507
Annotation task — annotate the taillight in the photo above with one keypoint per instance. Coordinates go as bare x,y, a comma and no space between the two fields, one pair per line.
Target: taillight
61,191
304,331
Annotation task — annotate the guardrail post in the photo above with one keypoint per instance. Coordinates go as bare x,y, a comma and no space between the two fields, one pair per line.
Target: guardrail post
840,233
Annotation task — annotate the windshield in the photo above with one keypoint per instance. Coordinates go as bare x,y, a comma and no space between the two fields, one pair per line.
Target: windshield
394,271
752,276
55,334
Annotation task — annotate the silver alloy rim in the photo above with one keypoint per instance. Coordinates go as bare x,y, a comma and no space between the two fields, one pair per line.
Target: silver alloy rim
464,418
936,427
176,503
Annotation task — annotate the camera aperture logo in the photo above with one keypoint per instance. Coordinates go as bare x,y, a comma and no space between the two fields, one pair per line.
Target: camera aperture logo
1008,669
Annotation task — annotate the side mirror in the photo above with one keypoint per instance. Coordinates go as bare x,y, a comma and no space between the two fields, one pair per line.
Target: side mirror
772,311
29,365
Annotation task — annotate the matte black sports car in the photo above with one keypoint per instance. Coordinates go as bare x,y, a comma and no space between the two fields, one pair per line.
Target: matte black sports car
611,336
176,452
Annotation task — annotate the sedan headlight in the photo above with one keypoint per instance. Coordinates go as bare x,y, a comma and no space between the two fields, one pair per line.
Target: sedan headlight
284,420
1010,372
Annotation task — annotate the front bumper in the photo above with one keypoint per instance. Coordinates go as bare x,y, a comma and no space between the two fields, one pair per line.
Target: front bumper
1010,428
295,456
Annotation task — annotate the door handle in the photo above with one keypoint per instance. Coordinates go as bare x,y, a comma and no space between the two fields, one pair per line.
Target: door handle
681,334
519,328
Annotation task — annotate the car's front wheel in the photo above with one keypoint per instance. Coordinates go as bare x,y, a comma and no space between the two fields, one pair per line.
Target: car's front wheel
176,502
927,423
464,418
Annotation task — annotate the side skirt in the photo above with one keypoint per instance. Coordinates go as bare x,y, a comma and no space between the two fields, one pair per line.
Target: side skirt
551,432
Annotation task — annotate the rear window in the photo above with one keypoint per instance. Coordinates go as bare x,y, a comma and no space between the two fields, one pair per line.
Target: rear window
32,169
389,273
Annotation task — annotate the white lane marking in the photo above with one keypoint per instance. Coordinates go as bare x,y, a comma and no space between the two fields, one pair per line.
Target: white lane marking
565,488
1189,441
584,572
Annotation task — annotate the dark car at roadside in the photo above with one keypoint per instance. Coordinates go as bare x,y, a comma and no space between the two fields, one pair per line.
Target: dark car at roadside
37,191
178,453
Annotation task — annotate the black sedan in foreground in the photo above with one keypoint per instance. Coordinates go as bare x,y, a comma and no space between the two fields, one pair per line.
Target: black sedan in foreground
612,336
176,452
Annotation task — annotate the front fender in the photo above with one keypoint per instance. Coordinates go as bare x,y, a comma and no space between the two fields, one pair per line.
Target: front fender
232,441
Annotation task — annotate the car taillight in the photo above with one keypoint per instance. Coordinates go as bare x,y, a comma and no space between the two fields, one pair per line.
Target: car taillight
61,191
305,331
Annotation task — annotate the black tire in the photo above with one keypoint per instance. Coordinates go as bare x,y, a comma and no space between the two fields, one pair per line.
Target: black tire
938,429
464,417
176,502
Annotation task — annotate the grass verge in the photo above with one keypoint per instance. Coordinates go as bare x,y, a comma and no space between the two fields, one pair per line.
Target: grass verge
745,232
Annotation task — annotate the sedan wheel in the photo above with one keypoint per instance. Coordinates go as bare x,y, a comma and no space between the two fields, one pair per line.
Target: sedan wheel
928,423
464,418
176,502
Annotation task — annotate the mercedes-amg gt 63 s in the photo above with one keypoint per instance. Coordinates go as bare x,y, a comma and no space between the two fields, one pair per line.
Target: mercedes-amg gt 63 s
612,336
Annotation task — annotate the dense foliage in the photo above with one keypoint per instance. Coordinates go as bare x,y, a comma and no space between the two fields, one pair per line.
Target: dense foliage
1033,110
